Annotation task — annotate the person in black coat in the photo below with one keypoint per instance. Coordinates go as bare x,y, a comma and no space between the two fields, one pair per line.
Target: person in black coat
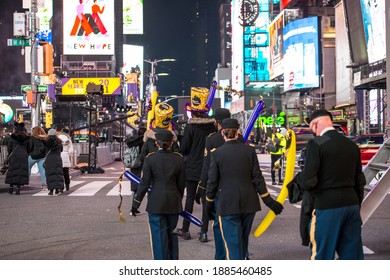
53,163
236,176
136,141
213,141
192,146
162,171
37,154
334,179
18,149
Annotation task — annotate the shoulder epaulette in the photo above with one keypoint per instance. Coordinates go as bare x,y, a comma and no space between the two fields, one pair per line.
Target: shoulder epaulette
213,150
179,154
211,134
150,154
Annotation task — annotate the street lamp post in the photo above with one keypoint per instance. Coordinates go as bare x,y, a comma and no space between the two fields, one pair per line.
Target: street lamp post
152,74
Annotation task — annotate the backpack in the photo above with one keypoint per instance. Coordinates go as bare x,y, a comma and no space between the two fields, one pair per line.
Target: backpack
130,157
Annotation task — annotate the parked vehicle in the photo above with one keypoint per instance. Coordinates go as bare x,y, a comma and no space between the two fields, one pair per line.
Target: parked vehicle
368,144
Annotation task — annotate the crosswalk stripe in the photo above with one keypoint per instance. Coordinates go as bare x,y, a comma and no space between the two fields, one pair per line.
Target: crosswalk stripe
72,184
125,190
90,189
99,177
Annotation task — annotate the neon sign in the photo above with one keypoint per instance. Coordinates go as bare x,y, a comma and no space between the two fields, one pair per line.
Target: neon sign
270,121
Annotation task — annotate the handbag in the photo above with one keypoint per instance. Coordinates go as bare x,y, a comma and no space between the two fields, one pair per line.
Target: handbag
5,166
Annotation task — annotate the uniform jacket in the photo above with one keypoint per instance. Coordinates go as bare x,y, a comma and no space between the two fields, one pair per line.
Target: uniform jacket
53,163
213,141
333,171
150,146
19,146
37,148
164,172
193,143
236,176
67,149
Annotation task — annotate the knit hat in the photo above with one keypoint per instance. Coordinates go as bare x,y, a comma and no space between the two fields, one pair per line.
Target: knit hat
52,132
199,98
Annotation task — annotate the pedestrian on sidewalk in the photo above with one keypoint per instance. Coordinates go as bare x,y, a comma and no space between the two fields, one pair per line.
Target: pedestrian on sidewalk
53,163
236,176
18,149
37,154
67,151
163,172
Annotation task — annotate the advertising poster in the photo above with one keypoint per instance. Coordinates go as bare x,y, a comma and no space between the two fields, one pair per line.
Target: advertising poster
301,54
373,13
276,46
88,27
133,57
133,16
237,48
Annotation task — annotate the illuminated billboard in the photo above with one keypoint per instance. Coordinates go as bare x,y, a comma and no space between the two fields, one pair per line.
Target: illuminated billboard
276,46
88,27
373,13
45,15
133,19
301,54
237,48
133,57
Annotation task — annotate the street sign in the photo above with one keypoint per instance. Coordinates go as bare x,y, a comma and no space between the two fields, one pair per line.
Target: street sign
18,42
40,89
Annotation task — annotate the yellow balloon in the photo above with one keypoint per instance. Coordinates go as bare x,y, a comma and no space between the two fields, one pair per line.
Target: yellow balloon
289,175
153,100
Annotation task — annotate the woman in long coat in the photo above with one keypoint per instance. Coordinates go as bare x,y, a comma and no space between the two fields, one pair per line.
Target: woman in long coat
18,149
53,163
67,151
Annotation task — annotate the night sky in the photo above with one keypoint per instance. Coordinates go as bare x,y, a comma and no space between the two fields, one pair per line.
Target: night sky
172,29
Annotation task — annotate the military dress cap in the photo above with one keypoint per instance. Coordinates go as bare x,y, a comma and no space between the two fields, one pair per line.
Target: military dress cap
319,113
164,135
230,123
221,114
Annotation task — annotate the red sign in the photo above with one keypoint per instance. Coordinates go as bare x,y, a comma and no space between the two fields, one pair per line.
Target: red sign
284,4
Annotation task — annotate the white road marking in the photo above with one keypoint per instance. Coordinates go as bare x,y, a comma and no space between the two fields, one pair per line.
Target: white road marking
125,190
90,189
45,192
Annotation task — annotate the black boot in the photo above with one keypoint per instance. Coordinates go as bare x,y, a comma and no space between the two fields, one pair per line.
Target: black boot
50,192
11,190
57,191
67,187
17,192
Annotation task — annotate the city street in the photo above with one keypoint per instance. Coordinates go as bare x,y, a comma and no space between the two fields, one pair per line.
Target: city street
83,224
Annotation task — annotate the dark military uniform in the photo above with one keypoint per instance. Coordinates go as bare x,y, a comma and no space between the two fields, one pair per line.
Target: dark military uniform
164,171
236,177
213,141
333,176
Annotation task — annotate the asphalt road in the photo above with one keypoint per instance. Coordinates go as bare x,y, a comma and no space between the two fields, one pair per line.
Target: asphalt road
83,224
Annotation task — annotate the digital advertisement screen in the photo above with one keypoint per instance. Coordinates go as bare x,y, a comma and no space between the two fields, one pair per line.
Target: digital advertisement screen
133,16
133,56
45,14
276,46
301,54
373,13
237,48
88,27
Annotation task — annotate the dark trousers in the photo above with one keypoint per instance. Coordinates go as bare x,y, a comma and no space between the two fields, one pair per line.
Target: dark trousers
191,187
235,232
165,243
65,170
274,158
336,230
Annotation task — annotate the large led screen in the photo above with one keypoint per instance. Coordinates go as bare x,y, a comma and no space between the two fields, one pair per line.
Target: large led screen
45,15
133,16
133,57
276,46
301,54
237,48
373,13
88,27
